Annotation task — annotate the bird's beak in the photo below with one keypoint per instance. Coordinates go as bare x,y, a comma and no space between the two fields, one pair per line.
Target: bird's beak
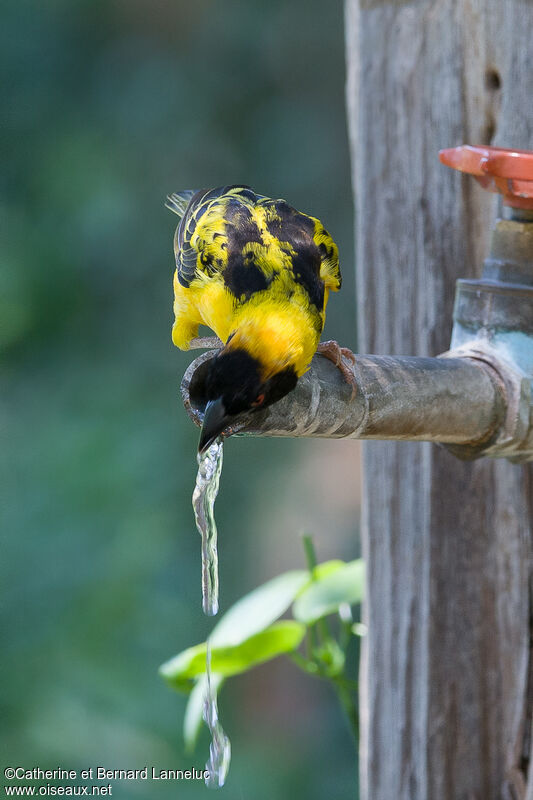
215,420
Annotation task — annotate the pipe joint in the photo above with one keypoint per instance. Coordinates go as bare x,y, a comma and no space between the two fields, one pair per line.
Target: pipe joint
514,437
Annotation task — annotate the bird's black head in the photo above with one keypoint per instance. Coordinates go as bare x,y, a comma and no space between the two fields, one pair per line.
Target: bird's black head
234,386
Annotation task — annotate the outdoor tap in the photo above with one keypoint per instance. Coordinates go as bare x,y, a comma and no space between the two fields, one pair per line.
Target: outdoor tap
476,398
493,316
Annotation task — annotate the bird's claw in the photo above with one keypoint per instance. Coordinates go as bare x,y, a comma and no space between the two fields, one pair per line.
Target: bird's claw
343,358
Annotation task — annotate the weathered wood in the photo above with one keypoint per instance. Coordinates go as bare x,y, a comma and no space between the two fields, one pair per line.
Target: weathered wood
447,671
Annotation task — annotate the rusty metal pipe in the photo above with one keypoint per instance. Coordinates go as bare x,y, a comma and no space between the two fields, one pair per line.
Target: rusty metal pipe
450,400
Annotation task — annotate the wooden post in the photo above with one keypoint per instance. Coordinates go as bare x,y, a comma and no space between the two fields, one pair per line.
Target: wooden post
447,672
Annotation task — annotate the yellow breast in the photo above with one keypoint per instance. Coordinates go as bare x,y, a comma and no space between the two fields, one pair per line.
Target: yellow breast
277,335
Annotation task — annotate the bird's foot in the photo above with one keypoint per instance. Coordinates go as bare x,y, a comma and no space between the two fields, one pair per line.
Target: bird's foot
343,358
205,343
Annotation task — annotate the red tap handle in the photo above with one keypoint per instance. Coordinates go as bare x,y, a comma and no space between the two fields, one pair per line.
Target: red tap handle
508,172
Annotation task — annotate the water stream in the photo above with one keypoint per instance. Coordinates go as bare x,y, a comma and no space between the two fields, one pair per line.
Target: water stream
220,748
203,501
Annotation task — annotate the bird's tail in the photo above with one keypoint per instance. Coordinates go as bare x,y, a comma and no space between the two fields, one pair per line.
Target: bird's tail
178,201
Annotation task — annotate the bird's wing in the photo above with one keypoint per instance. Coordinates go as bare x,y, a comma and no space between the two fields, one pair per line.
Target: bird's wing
329,257
178,201
201,233
315,254
186,204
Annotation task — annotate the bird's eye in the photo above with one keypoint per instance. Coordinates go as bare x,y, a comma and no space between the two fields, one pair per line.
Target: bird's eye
259,400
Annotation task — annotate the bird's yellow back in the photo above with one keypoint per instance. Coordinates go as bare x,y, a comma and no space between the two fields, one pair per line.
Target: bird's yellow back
256,271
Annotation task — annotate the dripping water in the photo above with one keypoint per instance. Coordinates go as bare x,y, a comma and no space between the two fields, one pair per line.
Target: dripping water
220,748
203,500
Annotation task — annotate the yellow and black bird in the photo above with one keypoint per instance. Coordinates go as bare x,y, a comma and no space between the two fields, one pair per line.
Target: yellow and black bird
258,273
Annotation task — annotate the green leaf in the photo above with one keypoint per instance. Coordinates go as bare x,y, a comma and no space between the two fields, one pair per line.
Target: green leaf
327,568
324,596
258,609
275,640
195,709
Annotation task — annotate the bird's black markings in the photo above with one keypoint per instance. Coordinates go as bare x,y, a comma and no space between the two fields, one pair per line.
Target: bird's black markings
306,269
242,276
186,257
241,227
248,193
279,385
325,252
288,225
234,375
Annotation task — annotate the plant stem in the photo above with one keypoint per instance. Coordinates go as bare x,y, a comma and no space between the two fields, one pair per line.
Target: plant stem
304,663
310,556
350,709
309,549
340,682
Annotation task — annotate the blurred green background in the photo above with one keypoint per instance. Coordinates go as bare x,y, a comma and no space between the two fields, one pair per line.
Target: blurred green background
108,106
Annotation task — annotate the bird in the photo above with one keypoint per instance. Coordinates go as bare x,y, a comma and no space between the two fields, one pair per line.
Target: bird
258,273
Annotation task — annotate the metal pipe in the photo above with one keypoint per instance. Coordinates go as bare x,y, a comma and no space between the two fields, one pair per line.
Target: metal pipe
450,400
